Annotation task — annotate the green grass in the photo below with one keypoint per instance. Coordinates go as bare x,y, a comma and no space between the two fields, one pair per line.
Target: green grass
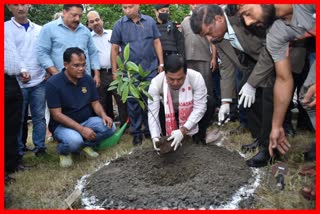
47,185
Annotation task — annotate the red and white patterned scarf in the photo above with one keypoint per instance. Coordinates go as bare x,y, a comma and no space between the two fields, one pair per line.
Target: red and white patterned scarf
185,105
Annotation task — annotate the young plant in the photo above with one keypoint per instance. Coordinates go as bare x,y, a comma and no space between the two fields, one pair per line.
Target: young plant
127,83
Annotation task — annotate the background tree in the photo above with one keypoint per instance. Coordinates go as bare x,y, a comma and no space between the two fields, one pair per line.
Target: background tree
39,13
110,13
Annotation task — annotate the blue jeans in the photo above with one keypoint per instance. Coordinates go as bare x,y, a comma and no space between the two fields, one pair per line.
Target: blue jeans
71,141
35,97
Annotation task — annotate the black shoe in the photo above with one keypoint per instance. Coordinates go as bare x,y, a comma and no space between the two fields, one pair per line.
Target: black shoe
147,136
40,152
198,139
27,149
8,179
250,147
261,159
137,140
310,155
21,167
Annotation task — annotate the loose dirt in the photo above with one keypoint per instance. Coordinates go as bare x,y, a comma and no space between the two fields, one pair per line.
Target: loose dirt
193,177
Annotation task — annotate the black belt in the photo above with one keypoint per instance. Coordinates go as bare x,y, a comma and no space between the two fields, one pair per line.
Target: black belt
10,77
106,70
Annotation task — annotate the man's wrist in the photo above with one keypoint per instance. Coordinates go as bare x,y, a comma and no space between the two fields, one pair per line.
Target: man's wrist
184,130
161,65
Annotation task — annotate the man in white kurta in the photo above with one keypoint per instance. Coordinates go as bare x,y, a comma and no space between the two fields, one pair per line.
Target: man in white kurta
183,94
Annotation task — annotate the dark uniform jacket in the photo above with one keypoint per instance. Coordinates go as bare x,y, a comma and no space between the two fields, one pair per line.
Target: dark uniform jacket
172,40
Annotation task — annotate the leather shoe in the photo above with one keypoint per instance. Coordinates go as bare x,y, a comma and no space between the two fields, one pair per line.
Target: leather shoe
261,159
311,154
250,147
147,136
137,140
8,179
199,139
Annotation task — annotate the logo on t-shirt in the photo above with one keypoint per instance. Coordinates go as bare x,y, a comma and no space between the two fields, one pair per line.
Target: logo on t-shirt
84,90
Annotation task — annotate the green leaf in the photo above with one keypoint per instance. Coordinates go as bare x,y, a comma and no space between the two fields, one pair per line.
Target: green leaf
147,94
132,66
122,86
140,70
114,82
144,84
142,105
126,52
124,95
134,91
125,79
119,73
112,88
145,73
120,64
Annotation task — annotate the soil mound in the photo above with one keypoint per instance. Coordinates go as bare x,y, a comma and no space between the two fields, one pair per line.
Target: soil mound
195,176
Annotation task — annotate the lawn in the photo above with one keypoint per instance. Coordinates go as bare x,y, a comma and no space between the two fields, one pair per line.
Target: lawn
46,185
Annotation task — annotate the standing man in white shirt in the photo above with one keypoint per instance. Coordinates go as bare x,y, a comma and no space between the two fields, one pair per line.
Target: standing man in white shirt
24,35
101,39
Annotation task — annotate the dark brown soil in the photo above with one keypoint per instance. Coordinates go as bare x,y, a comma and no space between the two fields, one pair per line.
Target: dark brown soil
195,176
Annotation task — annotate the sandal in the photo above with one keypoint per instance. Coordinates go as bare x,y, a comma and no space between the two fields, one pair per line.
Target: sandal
308,192
309,170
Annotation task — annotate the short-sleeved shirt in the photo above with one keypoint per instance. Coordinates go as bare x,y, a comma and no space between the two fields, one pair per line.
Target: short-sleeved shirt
55,37
141,36
74,100
282,32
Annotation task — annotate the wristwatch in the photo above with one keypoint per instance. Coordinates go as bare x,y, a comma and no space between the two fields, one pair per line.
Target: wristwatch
161,65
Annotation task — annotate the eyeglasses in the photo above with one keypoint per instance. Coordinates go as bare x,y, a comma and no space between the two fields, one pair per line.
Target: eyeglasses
79,65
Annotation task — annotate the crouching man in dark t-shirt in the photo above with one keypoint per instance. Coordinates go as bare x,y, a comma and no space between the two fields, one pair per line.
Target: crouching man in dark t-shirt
78,121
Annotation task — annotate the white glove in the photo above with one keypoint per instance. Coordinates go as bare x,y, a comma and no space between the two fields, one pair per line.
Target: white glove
248,94
177,137
154,141
224,110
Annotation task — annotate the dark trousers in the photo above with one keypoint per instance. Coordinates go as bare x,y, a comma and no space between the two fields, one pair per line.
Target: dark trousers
260,116
13,113
25,127
137,115
105,95
204,123
122,108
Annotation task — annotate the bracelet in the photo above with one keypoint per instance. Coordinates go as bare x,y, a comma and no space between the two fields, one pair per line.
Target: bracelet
161,65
